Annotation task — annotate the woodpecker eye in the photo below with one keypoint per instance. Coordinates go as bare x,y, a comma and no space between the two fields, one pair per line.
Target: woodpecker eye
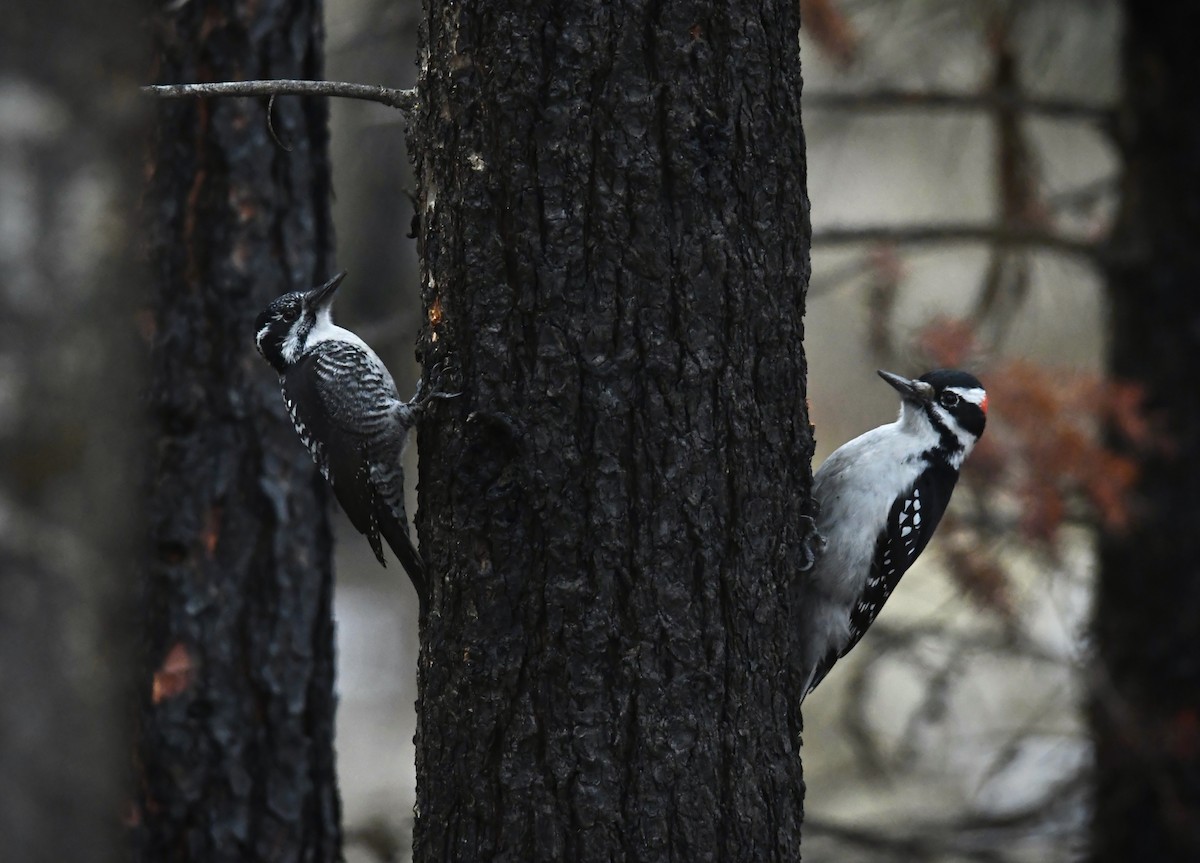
949,399
290,314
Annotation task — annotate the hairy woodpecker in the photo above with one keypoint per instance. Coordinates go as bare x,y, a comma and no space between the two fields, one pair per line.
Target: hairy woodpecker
881,497
344,405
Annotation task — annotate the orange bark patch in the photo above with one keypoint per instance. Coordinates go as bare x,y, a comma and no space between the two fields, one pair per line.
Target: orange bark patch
174,676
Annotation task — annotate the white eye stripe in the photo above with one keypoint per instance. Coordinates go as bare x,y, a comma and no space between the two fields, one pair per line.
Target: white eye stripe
974,395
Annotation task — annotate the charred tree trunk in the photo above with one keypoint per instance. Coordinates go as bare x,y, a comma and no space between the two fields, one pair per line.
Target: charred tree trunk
615,243
236,738
70,129
1147,704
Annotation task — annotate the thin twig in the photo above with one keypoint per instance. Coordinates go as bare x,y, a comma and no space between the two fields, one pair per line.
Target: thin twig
992,100
403,100
909,848
1085,195
938,839
1002,235
271,125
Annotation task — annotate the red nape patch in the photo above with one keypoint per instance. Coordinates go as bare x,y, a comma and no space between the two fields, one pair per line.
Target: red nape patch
983,404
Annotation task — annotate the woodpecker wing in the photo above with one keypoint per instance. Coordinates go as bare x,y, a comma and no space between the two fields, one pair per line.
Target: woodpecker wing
910,524
345,406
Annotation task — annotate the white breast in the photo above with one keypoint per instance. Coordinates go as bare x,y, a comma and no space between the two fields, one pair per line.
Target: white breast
855,488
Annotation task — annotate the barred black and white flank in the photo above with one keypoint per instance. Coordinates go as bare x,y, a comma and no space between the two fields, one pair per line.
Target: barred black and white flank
344,405
881,497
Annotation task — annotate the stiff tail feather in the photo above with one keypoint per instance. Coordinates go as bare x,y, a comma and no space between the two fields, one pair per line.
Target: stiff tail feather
396,534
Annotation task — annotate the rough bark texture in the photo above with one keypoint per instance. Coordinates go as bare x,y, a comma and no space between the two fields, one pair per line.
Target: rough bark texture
70,127
615,247
1147,701
236,744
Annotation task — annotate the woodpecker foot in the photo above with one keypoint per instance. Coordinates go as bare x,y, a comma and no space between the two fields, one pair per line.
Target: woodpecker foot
437,375
812,546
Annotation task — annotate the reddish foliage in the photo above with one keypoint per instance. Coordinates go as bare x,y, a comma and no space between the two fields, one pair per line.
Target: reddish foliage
976,572
1045,435
830,29
1051,421
948,343
1045,451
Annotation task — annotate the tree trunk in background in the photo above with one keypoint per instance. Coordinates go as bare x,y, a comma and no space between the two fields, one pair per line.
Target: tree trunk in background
236,744
615,244
1146,711
70,133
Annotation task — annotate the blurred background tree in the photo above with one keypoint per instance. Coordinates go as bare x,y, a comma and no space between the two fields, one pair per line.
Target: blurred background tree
235,757
71,127
1145,694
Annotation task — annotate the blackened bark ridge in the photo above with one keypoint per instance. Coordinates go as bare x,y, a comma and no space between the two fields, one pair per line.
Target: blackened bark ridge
615,243
235,754
1147,696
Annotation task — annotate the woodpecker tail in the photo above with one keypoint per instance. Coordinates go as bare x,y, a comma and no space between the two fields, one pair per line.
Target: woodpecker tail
396,534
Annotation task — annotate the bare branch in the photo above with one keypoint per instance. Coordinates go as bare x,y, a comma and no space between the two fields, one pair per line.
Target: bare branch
403,100
906,847
992,100
1084,196
1000,235
934,840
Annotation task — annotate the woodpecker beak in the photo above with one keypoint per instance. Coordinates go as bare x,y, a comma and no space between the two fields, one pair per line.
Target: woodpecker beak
910,390
323,296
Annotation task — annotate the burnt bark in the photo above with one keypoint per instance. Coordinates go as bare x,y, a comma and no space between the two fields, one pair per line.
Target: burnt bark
615,244
69,133
237,716
1147,699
